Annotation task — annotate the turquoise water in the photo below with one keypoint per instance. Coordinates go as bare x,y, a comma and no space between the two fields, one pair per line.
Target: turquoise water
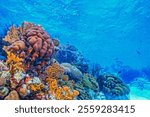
107,32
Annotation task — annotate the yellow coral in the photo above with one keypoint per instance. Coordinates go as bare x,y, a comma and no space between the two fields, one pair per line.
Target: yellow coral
55,73
12,35
15,63
61,93
35,87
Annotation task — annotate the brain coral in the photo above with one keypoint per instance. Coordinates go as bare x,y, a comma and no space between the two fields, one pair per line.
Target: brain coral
29,41
112,86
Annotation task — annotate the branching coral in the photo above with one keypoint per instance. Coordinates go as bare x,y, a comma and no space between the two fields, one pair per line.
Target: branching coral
14,62
112,86
15,65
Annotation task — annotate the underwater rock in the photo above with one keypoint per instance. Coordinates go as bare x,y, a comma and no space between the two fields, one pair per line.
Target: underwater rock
112,86
22,90
2,81
72,71
13,95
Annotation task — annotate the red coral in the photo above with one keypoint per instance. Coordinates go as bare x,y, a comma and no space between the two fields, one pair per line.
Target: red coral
30,42
30,39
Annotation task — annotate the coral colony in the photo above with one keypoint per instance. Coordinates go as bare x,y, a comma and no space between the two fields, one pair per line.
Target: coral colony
38,68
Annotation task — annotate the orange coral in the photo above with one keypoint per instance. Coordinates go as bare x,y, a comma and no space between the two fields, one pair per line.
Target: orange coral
36,87
54,71
30,42
29,38
61,93
14,62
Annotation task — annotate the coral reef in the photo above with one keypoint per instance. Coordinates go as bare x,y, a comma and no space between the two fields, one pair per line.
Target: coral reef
112,86
37,67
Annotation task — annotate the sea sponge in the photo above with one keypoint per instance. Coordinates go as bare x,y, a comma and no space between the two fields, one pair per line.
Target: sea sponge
13,95
112,86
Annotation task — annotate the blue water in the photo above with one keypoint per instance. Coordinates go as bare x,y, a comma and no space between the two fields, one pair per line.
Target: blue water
105,31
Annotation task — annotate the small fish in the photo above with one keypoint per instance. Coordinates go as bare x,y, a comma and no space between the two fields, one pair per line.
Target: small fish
138,52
